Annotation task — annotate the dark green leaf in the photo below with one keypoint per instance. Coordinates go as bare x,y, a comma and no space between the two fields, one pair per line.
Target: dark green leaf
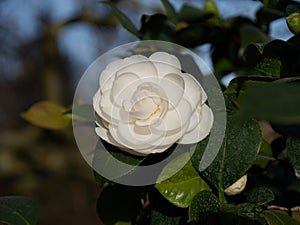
192,15
260,196
269,66
47,115
180,188
292,9
17,210
238,152
251,34
153,27
237,87
119,203
242,214
277,102
170,10
159,219
124,20
293,150
108,163
264,56
204,207
274,217
265,155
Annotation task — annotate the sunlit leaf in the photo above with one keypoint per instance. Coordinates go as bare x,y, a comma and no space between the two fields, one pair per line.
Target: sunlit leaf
17,210
184,185
47,115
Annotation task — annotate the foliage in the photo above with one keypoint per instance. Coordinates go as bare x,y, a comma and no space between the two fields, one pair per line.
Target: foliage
266,87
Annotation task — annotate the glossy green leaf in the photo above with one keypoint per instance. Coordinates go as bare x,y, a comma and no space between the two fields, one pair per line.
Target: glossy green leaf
107,163
181,188
274,217
265,155
269,66
191,14
252,34
293,150
124,20
260,196
242,214
237,87
204,206
47,115
277,102
159,219
118,203
17,210
238,152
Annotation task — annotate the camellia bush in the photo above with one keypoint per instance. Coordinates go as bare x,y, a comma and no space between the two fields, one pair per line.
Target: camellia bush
151,103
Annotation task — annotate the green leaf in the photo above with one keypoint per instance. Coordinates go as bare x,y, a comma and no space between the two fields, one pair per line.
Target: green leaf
251,34
170,10
245,213
108,163
269,66
265,155
47,115
184,185
238,152
159,219
238,86
124,20
82,112
293,151
153,27
274,217
260,196
277,102
264,56
204,207
118,203
18,210
292,9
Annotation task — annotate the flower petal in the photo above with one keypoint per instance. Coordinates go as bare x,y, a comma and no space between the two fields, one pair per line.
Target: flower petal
202,129
108,74
124,87
140,65
133,137
173,85
165,63
193,90
177,118
103,133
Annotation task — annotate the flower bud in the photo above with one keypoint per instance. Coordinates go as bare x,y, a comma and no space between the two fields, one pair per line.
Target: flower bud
237,187
293,22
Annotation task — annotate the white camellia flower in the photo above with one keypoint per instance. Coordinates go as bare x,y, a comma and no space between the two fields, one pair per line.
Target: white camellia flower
145,105
237,187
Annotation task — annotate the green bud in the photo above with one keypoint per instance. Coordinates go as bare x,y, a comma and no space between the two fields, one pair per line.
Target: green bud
293,22
211,7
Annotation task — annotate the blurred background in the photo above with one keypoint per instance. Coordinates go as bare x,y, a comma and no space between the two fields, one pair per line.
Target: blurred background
45,48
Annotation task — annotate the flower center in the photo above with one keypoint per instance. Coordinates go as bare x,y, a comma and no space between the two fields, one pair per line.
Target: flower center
147,105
